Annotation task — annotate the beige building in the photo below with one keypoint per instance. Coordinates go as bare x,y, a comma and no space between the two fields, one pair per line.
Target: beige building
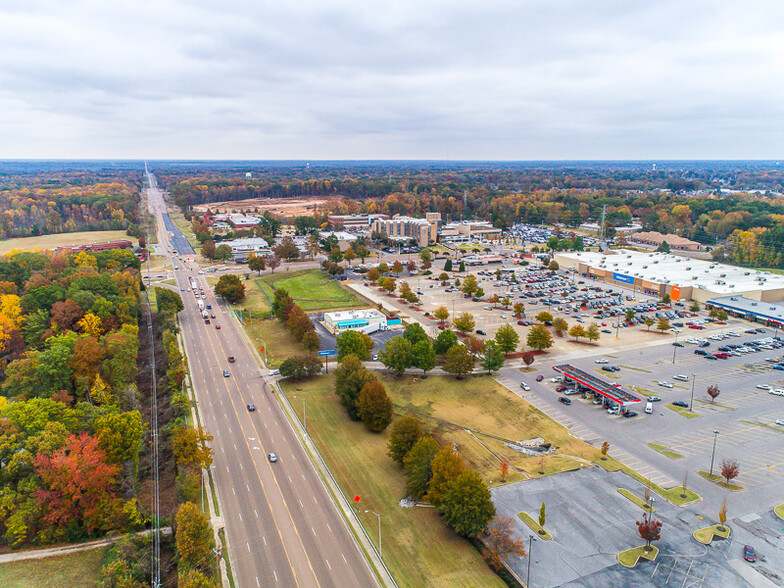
655,239
423,231
468,231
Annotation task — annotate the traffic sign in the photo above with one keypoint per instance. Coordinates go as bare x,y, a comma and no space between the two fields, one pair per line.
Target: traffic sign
328,352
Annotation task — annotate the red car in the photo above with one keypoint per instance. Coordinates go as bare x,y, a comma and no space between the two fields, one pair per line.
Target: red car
560,388
698,327
539,378
217,327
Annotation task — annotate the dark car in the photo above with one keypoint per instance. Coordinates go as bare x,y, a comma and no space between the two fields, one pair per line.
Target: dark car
521,323
749,554
709,356
680,403
217,326
676,344
700,352
251,407
606,331
480,332
231,359
564,400
608,368
704,344
629,414
539,378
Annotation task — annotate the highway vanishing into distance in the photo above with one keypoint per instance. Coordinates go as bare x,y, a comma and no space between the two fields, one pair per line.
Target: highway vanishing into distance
282,526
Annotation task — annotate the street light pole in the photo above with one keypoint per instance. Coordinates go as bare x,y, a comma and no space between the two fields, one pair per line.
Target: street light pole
531,539
691,402
713,453
379,530
674,347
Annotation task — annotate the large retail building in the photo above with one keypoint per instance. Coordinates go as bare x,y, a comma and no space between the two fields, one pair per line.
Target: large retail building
683,278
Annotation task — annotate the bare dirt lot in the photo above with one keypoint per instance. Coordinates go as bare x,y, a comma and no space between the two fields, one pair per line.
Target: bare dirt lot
281,206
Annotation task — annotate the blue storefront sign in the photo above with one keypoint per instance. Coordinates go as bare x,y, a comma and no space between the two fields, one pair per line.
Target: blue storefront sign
623,278
327,352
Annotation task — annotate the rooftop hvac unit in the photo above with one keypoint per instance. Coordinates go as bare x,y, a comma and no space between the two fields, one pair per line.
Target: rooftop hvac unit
754,304
645,267
655,261
720,282
688,269
722,275
746,273
733,298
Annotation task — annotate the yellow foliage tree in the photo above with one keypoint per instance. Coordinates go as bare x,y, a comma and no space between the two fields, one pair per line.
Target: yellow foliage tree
91,324
100,391
84,258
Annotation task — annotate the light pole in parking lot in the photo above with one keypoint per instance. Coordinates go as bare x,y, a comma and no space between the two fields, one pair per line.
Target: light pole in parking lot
713,453
691,402
674,347
531,539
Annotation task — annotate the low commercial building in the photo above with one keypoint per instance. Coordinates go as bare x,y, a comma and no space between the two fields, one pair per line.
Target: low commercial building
242,248
422,231
481,259
465,231
767,313
682,278
242,221
353,222
103,246
365,321
655,239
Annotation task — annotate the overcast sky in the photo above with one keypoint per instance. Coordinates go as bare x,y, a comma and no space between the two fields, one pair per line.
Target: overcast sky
398,79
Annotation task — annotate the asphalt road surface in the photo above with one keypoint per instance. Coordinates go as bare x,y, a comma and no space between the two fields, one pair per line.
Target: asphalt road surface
282,526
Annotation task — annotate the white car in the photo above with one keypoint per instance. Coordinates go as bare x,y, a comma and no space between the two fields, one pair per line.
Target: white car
602,360
681,377
780,422
664,384
733,334
675,330
691,341
525,386
764,386
776,392
556,379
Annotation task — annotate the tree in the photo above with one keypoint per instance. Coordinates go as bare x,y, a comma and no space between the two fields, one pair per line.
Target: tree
649,529
544,317
723,513
411,267
458,361
446,466
300,367
649,322
406,431
350,377
191,579
208,249
722,315
539,338
504,467
553,267
730,468
374,406
416,466
397,355
663,248
287,249
492,358
222,252
349,255
388,284
666,298
441,313
518,309
354,343
713,392
397,267
560,325
507,339
605,448
474,345
499,542
335,255
444,342
362,252
373,275
695,306
462,267
273,261
466,505
629,314
120,435
683,484
528,358
424,356
663,324
193,537
231,288
592,332
257,264
168,301
542,515
190,446
464,322
414,333
448,265
469,285
577,331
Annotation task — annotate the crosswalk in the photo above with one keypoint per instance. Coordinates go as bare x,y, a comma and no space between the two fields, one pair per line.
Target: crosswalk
586,434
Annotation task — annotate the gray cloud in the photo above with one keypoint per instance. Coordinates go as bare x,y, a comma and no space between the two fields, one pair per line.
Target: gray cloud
429,79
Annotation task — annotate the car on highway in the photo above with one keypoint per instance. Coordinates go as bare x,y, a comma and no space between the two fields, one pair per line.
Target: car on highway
525,386
664,384
217,326
749,554
564,400
680,403
539,378
225,373
602,360
231,359
272,457
251,407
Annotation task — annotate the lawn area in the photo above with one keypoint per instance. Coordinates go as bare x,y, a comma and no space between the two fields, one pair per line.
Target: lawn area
636,499
418,548
706,535
674,495
75,570
534,526
630,557
719,481
779,511
311,289
665,451
280,343
61,239
685,412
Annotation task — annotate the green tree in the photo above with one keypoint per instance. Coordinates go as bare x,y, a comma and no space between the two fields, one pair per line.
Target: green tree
424,356
469,285
663,248
446,466
168,301
663,324
448,265
416,466
592,332
280,302
458,361
467,506
222,252
464,322
629,314
231,288
354,343
542,515
577,331
374,406
398,355
539,338
335,255
193,538
444,342
405,432
722,315
695,306
257,264
507,339
192,579
350,377
414,333
492,357
462,267
120,435
544,317
362,252
442,314
426,257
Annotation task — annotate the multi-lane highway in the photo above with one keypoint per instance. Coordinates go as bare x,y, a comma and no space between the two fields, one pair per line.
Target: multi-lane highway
282,526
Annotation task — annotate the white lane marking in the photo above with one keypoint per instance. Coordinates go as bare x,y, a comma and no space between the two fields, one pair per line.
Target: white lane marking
257,582
265,541
254,512
328,527
248,487
301,505
274,574
233,492
329,566
289,477
314,500
344,558
240,515
314,532
242,468
248,544
235,446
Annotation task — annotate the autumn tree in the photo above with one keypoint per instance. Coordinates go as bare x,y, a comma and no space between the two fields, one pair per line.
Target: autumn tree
518,309
466,505
649,322
499,542
231,288
539,338
474,345
464,322
560,325
350,377
445,467
592,332
416,466
373,275
441,314
193,536
577,331
223,252
713,392
257,264
723,513
272,261
649,529
663,324
605,448
458,361
208,249
507,339
528,358
730,468
504,470
349,255
191,579
405,432
469,285
354,343
544,317
374,406
362,252
190,446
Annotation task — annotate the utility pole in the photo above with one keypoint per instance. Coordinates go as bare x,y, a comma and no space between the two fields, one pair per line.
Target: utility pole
531,539
691,402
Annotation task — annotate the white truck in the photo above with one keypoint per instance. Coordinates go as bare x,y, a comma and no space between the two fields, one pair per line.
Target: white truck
201,305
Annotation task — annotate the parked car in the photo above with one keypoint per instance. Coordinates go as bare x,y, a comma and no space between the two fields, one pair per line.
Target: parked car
629,414
680,403
564,400
676,344
480,332
664,384
560,388
780,422
749,554
539,378
525,386
654,399
764,386
681,377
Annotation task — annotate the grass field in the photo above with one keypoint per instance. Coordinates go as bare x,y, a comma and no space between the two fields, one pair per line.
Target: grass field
61,239
75,570
630,557
280,344
311,289
418,548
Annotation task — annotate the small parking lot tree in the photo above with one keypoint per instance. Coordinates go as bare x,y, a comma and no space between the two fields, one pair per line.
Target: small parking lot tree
730,469
713,392
649,529
464,322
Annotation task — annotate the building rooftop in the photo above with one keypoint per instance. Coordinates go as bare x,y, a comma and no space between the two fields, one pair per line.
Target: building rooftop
346,315
247,242
665,268
769,310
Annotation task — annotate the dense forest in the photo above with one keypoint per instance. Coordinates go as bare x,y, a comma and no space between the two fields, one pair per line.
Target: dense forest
64,201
